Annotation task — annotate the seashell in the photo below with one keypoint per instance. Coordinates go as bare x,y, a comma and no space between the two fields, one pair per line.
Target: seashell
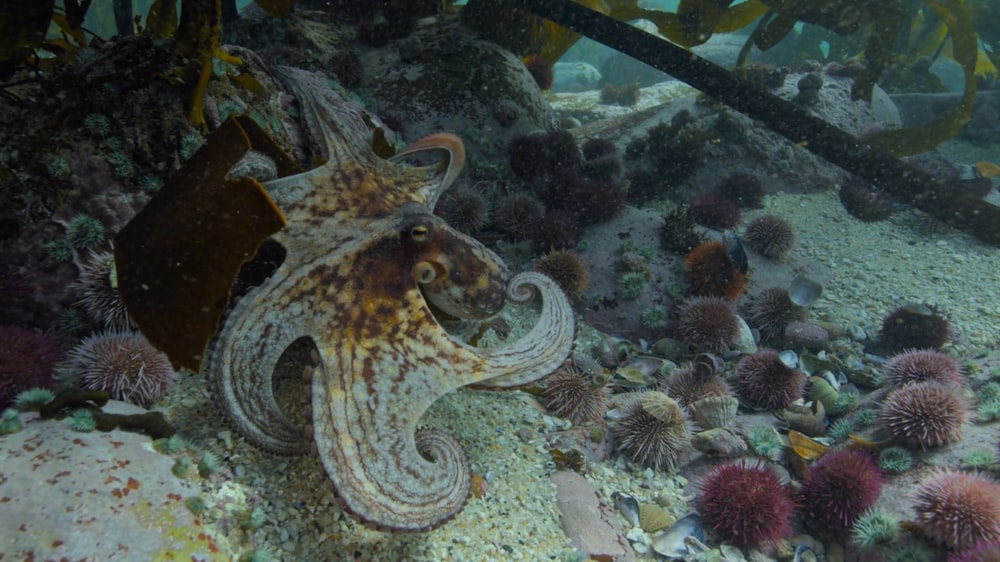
569,459
803,291
676,540
822,391
628,506
745,342
604,352
813,364
653,518
868,377
714,411
632,377
806,448
668,347
707,364
719,442
804,554
650,365
810,420
789,358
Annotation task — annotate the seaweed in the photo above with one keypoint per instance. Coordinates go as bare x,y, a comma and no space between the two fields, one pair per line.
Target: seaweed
943,201
210,226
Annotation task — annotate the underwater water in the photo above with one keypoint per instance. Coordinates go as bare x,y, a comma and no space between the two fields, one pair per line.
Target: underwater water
423,281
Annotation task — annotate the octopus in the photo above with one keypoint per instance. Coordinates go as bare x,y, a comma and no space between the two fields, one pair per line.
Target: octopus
368,271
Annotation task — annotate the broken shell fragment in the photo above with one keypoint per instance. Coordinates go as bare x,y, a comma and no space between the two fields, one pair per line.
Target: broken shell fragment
653,518
681,538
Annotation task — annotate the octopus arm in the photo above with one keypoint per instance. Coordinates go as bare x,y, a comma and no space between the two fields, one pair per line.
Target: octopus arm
544,348
431,189
241,366
368,398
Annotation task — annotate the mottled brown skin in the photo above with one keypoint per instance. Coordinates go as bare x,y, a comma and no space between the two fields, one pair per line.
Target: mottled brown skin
364,257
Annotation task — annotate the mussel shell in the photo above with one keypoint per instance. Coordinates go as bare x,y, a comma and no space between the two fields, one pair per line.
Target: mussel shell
803,291
708,364
628,506
821,390
671,542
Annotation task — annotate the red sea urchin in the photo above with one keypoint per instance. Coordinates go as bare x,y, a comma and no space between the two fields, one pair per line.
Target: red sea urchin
27,359
745,503
653,430
765,382
770,236
922,366
124,364
707,323
839,487
711,272
924,415
958,509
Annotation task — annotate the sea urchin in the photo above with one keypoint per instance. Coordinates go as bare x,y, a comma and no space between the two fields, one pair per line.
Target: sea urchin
124,364
924,415
764,381
653,430
745,503
839,487
958,509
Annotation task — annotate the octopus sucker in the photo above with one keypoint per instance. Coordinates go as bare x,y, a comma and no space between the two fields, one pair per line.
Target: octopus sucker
366,267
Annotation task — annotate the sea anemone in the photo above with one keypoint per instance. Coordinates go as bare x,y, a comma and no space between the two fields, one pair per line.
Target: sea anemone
82,421
924,415
874,526
124,364
541,70
745,503
915,326
714,211
99,294
770,236
839,487
27,360
895,460
556,230
516,215
653,430
744,189
922,366
770,312
765,442
958,509
678,234
764,381
711,272
85,232
707,323
572,394
630,285
465,209
689,384
566,269
864,202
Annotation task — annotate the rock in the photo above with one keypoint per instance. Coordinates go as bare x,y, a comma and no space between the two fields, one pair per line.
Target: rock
87,496
800,334
592,527
719,442
574,77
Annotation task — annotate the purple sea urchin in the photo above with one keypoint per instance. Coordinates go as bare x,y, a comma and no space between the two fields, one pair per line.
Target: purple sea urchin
557,230
707,323
124,364
516,215
465,209
744,189
922,366
714,211
770,236
765,382
27,359
653,430
915,326
958,509
745,503
839,487
924,415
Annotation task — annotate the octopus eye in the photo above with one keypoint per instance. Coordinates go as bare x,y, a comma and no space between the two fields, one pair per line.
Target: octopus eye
419,233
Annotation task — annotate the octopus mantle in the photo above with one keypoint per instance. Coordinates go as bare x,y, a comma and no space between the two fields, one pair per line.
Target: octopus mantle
364,258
